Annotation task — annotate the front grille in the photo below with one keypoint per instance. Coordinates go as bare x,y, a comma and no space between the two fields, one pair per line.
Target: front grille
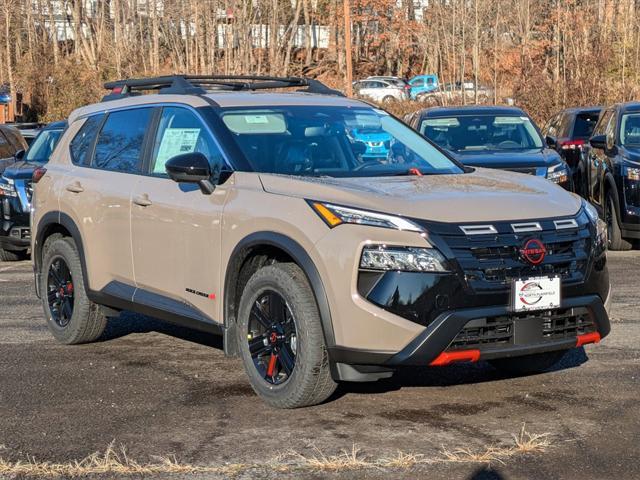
501,331
559,326
491,261
484,332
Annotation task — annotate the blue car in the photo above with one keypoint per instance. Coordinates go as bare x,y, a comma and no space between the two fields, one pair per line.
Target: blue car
5,97
376,141
421,84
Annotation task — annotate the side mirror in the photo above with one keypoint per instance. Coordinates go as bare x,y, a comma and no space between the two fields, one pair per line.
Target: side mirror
191,168
19,154
551,142
598,141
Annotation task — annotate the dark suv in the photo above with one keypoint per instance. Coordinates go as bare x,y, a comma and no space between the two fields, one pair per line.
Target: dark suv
15,192
567,132
613,164
492,137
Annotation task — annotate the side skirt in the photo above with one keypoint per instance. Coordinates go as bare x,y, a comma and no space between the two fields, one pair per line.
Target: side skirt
120,296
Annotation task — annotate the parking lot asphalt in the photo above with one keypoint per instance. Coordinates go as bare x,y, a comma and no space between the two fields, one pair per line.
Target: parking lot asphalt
159,390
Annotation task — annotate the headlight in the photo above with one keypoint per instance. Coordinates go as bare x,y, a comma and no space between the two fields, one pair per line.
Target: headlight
334,215
601,226
407,259
558,173
7,188
591,211
632,173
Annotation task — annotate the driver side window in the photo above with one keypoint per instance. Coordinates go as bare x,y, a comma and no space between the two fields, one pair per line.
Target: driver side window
181,131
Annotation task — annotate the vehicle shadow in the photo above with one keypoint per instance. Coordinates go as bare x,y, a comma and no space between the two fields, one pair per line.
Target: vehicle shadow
128,323
486,473
456,374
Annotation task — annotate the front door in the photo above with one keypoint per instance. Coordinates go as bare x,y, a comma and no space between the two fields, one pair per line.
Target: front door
175,227
597,157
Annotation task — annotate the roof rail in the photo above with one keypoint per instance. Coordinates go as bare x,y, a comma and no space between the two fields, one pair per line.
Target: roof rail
201,84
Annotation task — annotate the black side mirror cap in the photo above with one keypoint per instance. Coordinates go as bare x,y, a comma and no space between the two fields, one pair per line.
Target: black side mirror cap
191,168
598,141
20,154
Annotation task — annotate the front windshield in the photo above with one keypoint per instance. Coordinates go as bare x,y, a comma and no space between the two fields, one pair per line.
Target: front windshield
332,141
482,132
630,129
42,147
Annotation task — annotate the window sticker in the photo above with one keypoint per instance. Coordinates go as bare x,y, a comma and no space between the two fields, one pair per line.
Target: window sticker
256,119
175,141
255,123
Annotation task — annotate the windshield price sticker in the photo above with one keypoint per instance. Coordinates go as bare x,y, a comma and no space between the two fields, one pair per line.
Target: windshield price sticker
541,293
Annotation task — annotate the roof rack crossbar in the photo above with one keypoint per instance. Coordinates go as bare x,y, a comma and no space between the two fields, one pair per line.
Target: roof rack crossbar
201,84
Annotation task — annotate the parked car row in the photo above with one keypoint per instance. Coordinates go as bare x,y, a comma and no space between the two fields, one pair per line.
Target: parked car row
422,88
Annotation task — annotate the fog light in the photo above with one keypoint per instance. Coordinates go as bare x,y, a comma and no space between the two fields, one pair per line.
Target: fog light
407,259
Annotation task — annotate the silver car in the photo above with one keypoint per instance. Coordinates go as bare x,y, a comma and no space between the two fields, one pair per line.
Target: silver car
380,90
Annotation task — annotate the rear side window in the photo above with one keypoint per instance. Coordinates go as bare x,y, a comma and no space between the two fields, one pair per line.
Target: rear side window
585,123
81,144
121,139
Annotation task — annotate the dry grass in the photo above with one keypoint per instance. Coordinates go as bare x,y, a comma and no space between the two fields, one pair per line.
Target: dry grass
117,462
523,443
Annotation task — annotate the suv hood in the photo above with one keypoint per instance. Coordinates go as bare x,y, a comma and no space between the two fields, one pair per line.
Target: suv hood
508,159
21,170
481,196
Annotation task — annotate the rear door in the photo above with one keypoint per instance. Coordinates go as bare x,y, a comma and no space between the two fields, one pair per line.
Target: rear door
98,192
175,227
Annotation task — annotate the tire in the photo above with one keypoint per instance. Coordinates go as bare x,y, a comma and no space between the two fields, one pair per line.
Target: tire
9,256
388,99
309,382
85,323
616,242
528,364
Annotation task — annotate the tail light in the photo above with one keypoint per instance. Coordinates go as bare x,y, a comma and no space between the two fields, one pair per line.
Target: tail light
572,144
38,173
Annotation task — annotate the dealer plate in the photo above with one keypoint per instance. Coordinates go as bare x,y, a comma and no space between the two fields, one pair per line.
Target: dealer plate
539,293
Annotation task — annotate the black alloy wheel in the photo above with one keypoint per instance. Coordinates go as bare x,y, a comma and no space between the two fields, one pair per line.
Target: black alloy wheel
60,292
272,338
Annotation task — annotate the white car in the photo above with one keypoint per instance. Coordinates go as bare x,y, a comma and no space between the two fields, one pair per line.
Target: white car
380,90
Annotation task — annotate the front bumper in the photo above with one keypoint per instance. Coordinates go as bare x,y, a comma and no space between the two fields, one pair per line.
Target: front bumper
629,207
469,308
15,232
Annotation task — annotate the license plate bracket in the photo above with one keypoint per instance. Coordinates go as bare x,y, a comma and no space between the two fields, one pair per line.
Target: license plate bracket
536,293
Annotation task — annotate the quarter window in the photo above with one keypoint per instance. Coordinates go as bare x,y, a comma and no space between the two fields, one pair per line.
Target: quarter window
180,132
120,142
81,144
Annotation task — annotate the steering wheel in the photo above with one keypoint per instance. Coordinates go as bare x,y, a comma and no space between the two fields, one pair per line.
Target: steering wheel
367,164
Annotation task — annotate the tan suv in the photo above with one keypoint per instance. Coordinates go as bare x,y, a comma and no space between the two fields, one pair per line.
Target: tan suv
323,238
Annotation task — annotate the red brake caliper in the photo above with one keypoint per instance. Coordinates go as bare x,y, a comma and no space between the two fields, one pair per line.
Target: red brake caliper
272,365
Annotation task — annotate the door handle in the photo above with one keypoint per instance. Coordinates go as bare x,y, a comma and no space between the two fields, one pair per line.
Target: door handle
142,200
74,187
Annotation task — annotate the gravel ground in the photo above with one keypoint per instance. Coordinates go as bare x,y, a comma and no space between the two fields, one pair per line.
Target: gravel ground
159,390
